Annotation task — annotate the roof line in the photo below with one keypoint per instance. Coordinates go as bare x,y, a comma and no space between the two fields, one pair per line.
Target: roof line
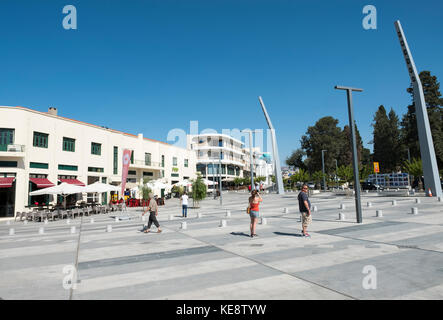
82,122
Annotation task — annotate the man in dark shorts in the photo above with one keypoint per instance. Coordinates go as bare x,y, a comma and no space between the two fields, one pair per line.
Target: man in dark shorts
305,209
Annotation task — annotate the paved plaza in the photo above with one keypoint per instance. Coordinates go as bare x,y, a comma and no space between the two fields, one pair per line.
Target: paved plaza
207,261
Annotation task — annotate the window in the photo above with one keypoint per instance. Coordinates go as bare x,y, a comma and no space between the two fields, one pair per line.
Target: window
174,161
8,164
163,161
67,167
186,163
38,165
163,173
132,172
40,140
115,160
147,159
96,148
174,174
68,144
149,174
132,156
93,169
6,138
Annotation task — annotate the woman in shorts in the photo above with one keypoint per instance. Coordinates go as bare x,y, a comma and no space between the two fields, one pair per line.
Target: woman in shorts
254,201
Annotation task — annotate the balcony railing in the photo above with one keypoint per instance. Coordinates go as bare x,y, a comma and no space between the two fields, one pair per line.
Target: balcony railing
12,148
144,163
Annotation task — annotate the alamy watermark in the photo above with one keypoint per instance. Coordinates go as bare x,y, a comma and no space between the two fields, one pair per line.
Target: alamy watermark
370,20
370,281
70,280
179,137
70,21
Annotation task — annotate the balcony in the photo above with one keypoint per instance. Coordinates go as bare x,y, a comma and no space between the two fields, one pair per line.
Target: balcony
142,164
12,151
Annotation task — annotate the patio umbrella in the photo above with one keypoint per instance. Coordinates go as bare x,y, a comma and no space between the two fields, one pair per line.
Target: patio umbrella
184,183
209,182
63,189
157,184
100,187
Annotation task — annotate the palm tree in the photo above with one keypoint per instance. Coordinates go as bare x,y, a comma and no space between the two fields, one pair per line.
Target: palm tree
198,190
145,190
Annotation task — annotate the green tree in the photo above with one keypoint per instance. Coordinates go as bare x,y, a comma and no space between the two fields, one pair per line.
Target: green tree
238,181
434,103
317,177
296,159
144,189
346,173
198,190
414,168
345,157
324,135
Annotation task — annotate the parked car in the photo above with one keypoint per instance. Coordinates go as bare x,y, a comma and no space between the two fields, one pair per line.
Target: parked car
369,186
311,185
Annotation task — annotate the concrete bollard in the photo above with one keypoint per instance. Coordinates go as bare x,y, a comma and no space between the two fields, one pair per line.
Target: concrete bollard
417,200
25,222
414,211
228,214
369,204
199,215
286,210
341,216
223,223
183,226
41,230
68,221
263,221
117,219
92,220
440,199
171,217
408,193
367,191
73,229
394,202
8,223
11,231
342,206
46,221
379,213
315,209
108,228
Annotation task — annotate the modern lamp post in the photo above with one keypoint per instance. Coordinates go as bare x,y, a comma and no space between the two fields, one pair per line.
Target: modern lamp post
323,168
354,150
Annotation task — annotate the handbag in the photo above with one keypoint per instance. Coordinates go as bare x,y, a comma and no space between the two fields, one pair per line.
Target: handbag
248,210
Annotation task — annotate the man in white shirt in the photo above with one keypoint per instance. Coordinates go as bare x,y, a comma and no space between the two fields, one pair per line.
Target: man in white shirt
184,201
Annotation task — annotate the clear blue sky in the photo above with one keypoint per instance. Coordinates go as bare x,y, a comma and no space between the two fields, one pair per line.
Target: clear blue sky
151,66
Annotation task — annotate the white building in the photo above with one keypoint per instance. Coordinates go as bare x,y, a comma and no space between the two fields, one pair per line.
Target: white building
214,148
39,149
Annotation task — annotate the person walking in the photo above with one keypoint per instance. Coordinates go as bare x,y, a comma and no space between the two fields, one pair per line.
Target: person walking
153,213
254,201
304,206
184,202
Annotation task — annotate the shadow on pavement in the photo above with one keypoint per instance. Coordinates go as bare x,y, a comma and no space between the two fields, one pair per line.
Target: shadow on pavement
240,234
288,234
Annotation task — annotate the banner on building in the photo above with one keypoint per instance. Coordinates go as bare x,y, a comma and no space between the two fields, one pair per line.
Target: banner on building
125,163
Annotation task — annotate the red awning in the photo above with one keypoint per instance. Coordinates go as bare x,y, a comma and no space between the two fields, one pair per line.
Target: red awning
73,181
42,182
6,182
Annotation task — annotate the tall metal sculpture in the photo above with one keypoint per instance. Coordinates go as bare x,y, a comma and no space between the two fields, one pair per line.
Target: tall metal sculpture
277,168
429,161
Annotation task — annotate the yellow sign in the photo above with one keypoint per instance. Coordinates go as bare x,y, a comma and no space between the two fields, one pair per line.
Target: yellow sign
376,167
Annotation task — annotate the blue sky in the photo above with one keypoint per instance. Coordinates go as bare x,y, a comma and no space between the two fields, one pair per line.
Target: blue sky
151,66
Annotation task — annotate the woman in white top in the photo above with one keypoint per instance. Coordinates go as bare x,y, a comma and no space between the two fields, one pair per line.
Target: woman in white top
184,201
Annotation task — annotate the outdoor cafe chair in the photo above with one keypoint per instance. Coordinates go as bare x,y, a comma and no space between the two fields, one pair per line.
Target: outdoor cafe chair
52,214
19,215
62,213
85,211
41,214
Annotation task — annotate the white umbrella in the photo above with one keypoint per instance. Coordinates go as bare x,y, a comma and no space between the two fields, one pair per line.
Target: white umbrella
100,187
184,183
63,188
209,182
157,185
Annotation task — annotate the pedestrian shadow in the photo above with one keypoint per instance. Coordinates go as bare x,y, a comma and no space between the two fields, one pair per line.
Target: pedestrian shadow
288,234
240,234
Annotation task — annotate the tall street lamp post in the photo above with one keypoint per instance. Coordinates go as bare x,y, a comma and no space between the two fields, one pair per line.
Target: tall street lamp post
354,150
323,168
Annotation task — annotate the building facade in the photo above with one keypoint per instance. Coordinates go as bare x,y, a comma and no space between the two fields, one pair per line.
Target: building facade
213,150
40,149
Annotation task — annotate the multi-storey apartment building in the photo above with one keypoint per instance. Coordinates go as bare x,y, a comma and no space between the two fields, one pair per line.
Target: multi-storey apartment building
214,149
41,149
